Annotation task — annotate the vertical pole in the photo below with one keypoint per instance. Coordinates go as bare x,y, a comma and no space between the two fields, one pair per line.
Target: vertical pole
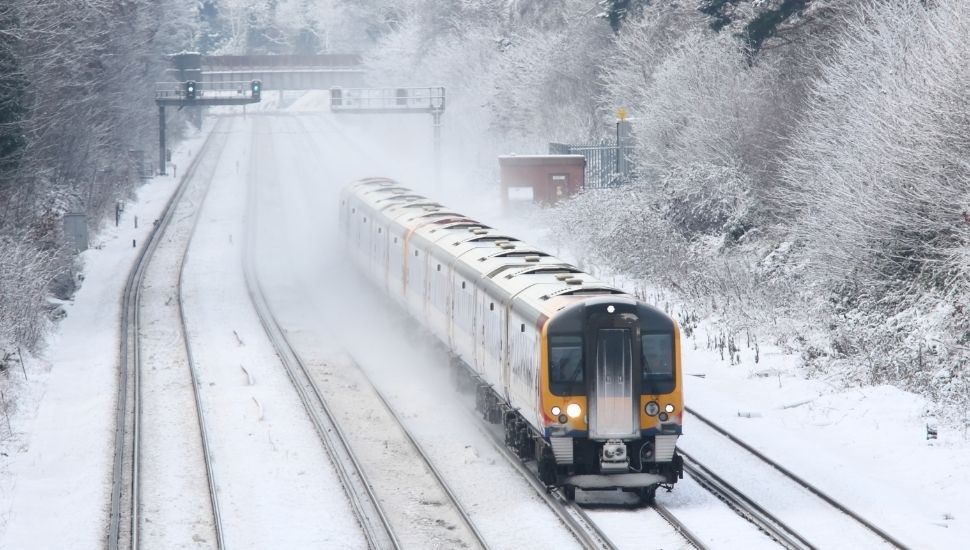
436,123
618,146
161,140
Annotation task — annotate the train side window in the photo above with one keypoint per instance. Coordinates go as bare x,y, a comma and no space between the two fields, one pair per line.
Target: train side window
491,306
439,267
463,284
395,240
353,210
378,229
522,328
415,253
365,219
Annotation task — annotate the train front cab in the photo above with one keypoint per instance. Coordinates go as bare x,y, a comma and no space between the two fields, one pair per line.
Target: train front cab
612,400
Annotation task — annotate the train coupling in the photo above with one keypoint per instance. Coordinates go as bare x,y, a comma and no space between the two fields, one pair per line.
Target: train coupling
613,457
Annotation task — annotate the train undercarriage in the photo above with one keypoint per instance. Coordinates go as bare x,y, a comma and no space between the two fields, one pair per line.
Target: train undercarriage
590,465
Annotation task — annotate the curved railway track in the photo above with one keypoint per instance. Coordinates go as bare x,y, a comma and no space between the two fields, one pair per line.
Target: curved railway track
364,503
777,529
375,521
124,519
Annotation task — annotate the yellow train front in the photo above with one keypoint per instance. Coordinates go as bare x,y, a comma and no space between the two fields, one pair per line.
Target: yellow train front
611,400
586,379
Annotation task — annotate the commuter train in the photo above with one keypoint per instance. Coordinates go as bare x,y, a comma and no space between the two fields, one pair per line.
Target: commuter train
586,379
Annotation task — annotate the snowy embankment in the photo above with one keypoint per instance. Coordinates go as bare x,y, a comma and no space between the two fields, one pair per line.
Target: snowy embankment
55,470
868,447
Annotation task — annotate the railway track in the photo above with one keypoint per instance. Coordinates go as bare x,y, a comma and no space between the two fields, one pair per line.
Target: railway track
780,530
364,503
124,526
577,520
381,527
586,532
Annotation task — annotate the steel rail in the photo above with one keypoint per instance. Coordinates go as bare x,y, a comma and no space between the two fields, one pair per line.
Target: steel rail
427,460
200,413
574,518
367,509
800,481
679,526
125,482
755,513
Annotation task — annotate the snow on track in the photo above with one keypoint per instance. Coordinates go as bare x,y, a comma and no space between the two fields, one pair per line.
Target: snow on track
277,488
313,297
175,507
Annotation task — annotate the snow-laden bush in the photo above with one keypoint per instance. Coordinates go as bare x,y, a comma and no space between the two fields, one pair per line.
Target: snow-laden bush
25,277
698,109
877,182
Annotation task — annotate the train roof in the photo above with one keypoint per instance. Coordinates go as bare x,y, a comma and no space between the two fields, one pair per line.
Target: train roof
541,283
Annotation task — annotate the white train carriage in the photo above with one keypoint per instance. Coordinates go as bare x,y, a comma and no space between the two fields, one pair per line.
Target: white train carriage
513,315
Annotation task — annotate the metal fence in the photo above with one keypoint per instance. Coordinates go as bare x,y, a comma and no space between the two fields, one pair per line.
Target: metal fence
607,165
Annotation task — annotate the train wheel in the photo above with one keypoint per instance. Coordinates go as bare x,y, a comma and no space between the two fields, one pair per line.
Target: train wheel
510,432
524,444
569,492
547,466
647,494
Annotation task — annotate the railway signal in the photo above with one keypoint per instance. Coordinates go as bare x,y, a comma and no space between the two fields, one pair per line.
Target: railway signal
188,93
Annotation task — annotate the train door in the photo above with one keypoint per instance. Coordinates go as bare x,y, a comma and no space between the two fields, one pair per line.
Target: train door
612,352
380,255
481,305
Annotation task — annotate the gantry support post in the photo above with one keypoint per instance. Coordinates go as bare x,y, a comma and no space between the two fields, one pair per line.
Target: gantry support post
436,124
161,140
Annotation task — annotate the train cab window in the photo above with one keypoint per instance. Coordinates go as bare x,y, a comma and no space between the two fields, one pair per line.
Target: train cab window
657,363
566,375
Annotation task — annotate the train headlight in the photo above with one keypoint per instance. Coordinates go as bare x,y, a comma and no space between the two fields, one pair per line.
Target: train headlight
574,410
652,408
663,417
562,419
556,411
669,408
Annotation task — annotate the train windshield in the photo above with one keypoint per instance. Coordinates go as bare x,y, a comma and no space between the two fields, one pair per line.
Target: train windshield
657,360
566,365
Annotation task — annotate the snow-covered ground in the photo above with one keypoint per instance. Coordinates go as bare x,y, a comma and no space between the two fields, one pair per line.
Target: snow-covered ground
867,447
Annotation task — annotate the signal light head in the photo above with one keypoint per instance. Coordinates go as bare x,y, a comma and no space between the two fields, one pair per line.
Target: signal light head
190,89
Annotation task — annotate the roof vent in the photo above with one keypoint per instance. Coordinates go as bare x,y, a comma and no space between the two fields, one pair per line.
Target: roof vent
564,276
473,228
532,258
506,246
479,231
573,281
